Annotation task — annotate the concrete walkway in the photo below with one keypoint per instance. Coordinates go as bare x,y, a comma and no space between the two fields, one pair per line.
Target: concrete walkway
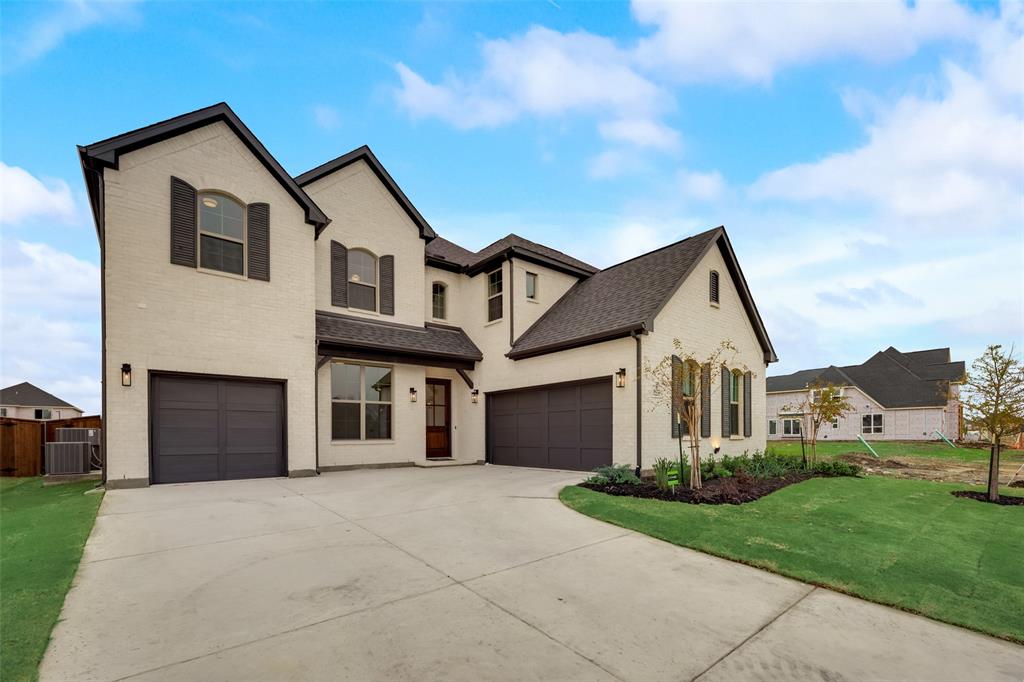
462,573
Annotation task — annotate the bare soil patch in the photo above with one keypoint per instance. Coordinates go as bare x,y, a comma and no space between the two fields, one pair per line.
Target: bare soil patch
1008,500
930,469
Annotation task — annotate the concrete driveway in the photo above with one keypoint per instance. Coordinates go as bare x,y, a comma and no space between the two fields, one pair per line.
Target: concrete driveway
458,573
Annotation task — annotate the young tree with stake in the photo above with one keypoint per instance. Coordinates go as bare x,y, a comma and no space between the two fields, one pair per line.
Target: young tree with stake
678,381
825,404
993,400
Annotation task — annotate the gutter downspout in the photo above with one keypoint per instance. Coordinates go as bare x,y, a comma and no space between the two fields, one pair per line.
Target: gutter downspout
511,301
639,400
316,406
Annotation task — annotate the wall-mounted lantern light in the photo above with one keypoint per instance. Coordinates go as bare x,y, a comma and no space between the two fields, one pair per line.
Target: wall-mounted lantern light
412,395
126,374
620,378
475,393
715,444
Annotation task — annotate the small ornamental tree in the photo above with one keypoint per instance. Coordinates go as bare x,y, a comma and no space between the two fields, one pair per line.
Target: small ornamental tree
993,400
824,404
678,381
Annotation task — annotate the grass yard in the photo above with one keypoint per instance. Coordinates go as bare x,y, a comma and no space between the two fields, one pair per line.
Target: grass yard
42,533
904,543
887,449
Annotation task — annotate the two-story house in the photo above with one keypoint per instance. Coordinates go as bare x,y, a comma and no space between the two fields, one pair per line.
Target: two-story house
259,324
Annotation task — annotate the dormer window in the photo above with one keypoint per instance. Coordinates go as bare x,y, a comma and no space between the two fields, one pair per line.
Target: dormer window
713,288
221,233
362,280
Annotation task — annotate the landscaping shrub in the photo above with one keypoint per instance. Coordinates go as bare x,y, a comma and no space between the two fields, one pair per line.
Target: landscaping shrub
662,467
622,474
835,468
766,464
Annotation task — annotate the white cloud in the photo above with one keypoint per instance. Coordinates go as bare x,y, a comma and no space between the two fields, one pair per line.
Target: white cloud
702,186
642,132
614,163
751,42
49,326
326,117
61,21
24,197
545,73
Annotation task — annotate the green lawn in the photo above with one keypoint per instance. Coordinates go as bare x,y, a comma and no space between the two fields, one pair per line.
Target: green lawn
905,543
886,449
42,533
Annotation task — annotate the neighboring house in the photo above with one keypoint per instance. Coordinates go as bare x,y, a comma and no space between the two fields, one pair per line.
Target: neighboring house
894,396
256,324
25,401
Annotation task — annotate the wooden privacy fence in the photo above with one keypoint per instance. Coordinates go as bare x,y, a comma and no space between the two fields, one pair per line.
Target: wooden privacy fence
22,441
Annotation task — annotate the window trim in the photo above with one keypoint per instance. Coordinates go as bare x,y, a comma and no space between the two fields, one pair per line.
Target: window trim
714,288
871,428
363,402
735,403
433,300
536,282
244,241
793,432
376,279
500,270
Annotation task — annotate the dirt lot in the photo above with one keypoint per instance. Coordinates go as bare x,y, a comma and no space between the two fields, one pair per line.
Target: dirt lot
932,469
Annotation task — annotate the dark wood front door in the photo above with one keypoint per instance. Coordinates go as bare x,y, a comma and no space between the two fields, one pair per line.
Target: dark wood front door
439,418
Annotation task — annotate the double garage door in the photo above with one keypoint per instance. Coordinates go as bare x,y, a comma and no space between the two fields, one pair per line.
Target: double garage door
207,429
561,426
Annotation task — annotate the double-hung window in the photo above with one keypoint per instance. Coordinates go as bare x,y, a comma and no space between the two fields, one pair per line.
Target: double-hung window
872,423
362,280
773,427
531,286
735,391
790,427
438,300
361,402
221,233
43,414
494,291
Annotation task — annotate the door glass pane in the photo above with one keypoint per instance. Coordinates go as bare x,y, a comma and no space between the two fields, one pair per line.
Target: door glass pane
440,394
378,421
430,394
430,416
378,383
439,416
344,382
345,421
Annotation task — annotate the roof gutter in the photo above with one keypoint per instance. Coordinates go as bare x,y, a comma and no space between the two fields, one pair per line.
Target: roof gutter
610,335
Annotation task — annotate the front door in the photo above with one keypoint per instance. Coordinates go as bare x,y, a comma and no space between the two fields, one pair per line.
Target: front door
439,418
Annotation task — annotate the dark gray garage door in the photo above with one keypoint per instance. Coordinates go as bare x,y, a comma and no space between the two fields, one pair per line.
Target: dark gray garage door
562,426
206,429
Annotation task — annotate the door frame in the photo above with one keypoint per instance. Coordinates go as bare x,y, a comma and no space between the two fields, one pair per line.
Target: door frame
151,402
447,383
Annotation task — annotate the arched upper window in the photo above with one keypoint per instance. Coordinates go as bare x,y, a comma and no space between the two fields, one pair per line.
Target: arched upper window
713,287
362,280
439,301
221,233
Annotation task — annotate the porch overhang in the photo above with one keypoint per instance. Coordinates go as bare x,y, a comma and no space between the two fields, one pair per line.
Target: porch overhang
393,356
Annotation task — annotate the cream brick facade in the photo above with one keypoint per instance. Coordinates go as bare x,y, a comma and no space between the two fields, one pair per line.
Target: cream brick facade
168,318
161,317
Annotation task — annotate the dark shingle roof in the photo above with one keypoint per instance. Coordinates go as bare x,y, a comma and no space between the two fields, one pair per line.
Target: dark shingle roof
433,340
894,379
30,396
448,252
626,298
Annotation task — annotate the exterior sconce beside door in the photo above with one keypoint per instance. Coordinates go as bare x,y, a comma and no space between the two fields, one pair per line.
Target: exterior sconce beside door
620,378
412,395
126,374
475,394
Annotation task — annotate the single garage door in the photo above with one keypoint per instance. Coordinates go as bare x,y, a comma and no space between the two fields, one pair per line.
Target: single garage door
561,426
207,429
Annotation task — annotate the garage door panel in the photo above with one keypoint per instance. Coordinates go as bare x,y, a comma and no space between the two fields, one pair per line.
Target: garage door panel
553,426
209,429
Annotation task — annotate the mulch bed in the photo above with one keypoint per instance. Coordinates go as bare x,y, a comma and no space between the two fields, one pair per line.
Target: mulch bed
733,490
1008,500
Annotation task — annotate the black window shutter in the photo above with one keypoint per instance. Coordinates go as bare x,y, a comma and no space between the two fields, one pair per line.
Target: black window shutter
726,430
258,234
677,378
747,422
339,275
183,223
705,401
387,285
713,287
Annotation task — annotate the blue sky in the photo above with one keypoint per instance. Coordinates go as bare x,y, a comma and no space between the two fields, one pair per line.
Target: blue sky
867,160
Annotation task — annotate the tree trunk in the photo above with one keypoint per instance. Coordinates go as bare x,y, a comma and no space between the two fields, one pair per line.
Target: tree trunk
695,479
993,473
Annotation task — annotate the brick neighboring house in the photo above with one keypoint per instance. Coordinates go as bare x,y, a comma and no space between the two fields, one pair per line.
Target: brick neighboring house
26,401
895,396
259,324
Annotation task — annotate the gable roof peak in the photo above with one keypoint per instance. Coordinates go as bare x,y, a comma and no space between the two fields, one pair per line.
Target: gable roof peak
30,395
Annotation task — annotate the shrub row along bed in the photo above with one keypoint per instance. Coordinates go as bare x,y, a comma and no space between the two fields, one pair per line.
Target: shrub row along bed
733,480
